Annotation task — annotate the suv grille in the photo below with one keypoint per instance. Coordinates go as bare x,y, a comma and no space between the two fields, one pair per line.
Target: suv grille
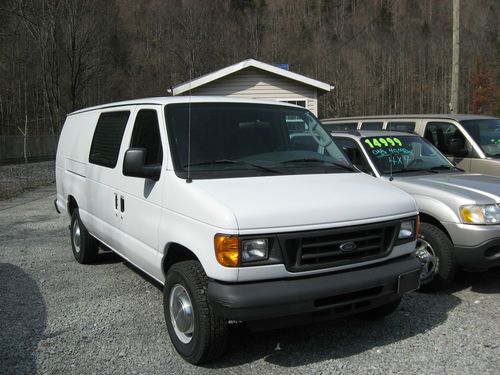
335,247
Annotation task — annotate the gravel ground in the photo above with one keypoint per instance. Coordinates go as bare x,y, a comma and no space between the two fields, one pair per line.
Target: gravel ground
14,179
59,317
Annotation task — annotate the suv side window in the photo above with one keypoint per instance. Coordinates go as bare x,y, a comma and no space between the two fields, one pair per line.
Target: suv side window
107,138
146,134
341,126
401,126
354,153
448,139
371,125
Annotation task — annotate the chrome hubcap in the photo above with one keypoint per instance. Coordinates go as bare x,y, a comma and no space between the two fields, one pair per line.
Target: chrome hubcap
75,234
181,313
427,256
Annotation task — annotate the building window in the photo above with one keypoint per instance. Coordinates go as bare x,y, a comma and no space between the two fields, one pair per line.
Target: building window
302,103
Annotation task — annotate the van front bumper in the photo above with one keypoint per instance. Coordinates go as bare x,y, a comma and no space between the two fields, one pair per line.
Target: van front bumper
343,293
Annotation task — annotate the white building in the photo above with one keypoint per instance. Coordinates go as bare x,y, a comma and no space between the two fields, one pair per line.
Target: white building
255,79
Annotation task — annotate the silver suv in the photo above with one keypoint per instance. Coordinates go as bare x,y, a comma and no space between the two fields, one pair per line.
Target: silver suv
472,142
460,212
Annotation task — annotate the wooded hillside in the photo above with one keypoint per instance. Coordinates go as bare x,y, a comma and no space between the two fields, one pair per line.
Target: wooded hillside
383,56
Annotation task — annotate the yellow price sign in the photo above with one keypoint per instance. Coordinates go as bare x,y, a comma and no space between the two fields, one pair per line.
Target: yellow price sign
380,142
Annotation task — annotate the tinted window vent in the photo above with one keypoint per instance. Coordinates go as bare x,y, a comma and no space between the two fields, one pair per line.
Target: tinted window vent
336,247
108,138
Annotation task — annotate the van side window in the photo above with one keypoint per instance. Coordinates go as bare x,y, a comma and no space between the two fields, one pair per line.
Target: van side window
108,138
448,139
372,125
401,126
146,134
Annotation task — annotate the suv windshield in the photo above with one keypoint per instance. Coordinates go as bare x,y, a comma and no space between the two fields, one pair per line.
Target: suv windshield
405,153
219,140
486,133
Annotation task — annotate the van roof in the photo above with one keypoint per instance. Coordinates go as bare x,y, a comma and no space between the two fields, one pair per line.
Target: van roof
180,99
414,116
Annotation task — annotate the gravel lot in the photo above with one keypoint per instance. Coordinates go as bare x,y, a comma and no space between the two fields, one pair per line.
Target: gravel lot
59,317
17,178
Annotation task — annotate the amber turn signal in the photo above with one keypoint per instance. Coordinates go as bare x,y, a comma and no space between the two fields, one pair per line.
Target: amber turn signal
227,250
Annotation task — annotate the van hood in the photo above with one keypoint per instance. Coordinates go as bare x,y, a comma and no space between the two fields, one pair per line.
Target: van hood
298,201
461,187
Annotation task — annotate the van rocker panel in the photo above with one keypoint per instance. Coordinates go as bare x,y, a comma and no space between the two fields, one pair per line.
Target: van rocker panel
268,299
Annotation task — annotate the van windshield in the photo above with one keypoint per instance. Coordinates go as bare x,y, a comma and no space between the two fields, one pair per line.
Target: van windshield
220,140
486,133
405,153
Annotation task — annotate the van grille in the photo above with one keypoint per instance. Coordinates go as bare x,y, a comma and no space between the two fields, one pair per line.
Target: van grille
335,247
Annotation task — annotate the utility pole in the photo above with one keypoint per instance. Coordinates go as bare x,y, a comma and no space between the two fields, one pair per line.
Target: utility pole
455,58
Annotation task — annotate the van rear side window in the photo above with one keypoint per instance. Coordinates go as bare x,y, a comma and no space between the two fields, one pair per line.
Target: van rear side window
108,138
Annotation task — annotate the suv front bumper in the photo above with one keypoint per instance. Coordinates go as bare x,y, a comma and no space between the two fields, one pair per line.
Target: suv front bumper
344,293
476,246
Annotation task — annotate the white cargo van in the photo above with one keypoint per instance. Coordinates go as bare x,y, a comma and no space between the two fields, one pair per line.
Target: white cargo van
239,219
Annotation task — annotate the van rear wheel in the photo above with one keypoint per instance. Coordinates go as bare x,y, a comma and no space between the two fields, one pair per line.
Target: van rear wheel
197,334
85,247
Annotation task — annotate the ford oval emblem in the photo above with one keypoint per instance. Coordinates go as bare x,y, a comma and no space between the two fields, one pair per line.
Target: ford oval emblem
348,246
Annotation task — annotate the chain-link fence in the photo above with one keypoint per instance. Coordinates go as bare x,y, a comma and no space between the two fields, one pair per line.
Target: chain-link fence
19,149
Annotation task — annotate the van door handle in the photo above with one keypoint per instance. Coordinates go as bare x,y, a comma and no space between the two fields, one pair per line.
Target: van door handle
122,204
116,202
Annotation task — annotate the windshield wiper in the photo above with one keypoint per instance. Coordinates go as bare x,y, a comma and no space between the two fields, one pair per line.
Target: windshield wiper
309,160
448,167
413,170
230,161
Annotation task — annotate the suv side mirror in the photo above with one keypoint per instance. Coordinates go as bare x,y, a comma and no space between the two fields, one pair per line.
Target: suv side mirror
134,165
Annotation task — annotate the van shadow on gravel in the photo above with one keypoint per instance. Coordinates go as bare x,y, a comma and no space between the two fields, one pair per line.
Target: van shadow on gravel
335,339
23,318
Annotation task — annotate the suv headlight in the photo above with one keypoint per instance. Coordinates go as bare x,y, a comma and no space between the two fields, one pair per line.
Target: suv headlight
480,214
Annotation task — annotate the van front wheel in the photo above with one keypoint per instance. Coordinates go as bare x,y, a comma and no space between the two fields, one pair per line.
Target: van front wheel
435,251
85,247
196,332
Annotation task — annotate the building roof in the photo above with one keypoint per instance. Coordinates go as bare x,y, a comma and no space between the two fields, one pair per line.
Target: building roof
249,63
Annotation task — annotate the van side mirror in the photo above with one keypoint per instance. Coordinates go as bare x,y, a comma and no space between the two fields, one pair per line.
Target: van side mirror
134,165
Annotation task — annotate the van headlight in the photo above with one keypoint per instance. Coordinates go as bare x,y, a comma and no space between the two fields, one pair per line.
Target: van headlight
480,214
254,250
232,251
408,230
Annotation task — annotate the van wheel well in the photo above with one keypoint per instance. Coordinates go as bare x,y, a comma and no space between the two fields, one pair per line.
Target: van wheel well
176,253
424,218
71,205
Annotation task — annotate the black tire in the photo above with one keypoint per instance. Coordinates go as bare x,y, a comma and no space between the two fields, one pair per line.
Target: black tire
441,272
380,312
85,247
201,336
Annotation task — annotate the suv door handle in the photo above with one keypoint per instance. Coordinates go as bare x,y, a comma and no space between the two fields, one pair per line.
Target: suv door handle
122,203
